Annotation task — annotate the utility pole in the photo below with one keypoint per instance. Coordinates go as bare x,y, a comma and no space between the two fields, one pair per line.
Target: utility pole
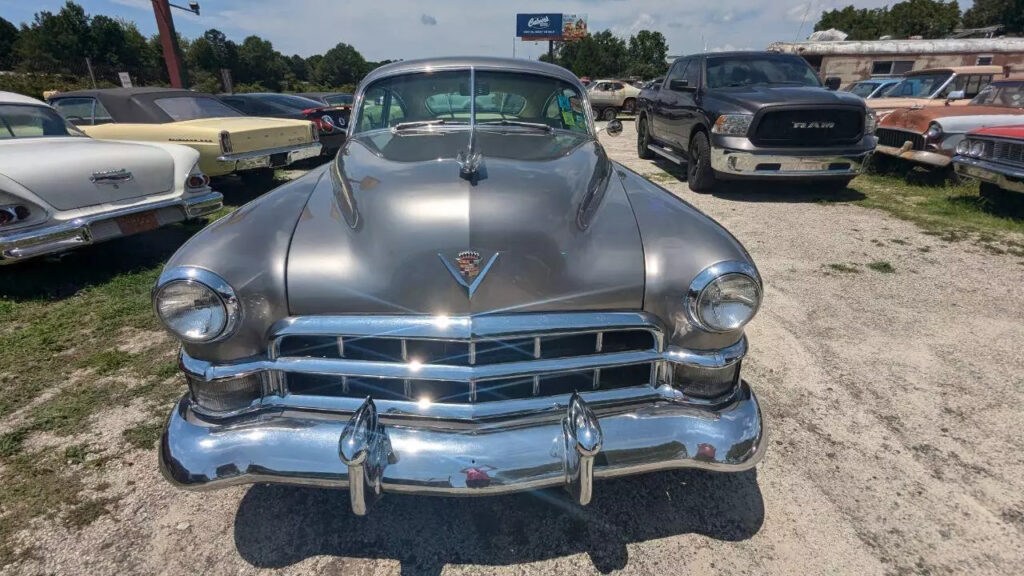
169,40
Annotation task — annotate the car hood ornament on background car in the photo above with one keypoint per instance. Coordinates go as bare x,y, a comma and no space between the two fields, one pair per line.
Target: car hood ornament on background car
466,270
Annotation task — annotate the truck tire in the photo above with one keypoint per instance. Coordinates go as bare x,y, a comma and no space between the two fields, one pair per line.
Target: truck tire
629,105
608,114
1005,200
699,174
643,139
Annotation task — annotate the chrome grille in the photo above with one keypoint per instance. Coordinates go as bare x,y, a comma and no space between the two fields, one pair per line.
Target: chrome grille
408,363
1005,151
896,138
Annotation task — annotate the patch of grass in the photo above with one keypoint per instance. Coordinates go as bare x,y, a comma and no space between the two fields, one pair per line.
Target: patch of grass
899,241
881,266
67,411
925,249
11,442
842,268
87,512
76,453
938,206
165,370
109,361
145,435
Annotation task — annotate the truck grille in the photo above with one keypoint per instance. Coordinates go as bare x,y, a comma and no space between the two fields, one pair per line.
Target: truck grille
799,127
1003,151
468,369
896,138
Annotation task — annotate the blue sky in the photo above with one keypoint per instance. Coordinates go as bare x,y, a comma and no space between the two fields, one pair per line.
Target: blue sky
422,28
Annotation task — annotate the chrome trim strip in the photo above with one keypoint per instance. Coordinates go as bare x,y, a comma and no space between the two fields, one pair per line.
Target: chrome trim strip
111,176
708,358
260,153
61,236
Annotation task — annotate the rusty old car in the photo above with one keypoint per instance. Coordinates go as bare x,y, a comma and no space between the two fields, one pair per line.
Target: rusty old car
994,157
468,300
930,136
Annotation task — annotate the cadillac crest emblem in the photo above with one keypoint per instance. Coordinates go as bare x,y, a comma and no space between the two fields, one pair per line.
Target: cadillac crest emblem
468,262
468,268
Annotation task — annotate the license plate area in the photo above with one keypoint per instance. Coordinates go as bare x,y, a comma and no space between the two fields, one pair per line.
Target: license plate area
136,223
279,159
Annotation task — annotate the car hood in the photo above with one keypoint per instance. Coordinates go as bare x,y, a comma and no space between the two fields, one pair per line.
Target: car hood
917,120
546,214
754,98
1013,131
59,170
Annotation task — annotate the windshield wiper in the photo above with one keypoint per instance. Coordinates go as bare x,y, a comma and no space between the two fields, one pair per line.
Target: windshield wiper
520,123
418,124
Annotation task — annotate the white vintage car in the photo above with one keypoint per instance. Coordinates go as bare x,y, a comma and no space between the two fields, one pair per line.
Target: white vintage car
60,189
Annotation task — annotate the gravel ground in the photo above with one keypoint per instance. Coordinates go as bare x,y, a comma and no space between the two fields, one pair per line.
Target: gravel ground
893,402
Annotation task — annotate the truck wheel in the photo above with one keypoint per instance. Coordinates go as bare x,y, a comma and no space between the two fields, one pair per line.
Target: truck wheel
699,174
608,114
629,106
643,139
1006,200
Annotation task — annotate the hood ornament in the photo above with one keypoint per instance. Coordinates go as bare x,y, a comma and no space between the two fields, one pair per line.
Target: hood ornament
466,269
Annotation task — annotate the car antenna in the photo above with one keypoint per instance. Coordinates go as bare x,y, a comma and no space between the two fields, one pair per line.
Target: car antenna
470,159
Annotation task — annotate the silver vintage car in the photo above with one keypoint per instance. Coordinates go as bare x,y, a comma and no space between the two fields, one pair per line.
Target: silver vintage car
471,299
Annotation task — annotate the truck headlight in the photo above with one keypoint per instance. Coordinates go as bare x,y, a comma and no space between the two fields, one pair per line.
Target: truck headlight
733,124
195,304
934,132
870,122
724,297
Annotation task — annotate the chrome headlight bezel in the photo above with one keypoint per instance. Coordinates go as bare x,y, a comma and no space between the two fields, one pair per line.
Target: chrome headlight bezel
710,276
963,147
208,280
977,149
733,124
934,132
870,122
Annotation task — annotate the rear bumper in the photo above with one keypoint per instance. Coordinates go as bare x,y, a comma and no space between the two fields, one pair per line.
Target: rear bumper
62,236
371,456
1006,177
272,158
920,156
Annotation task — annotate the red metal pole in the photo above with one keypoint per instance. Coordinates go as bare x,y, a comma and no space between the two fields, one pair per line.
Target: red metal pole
169,43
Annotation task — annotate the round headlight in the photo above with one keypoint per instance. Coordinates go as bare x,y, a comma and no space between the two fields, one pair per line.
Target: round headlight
963,147
933,132
195,305
724,297
977,148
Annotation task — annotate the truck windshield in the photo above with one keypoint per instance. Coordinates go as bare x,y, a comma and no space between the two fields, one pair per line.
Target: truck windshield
863,89
502,101
749,70
922,86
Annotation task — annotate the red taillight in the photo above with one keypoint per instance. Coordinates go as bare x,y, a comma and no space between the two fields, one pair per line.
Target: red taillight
197,181
311,111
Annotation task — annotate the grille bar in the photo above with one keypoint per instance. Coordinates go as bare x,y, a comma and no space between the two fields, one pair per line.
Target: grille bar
896,138
1005,151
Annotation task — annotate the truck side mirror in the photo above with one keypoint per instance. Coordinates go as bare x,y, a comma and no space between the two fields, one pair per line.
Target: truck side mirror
956,95
833,82
678,85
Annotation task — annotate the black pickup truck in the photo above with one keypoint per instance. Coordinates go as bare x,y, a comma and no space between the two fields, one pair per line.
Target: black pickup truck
754,115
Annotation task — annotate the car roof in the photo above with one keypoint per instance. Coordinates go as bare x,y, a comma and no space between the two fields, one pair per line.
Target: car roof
484,62
959,70
15,98
133,105
739,53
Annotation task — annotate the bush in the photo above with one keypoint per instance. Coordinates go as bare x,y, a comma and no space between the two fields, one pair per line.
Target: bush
34,85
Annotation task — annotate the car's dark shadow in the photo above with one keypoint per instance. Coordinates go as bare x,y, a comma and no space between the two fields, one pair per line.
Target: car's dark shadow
278,526
769,190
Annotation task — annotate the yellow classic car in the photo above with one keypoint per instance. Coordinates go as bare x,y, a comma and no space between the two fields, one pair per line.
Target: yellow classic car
227,140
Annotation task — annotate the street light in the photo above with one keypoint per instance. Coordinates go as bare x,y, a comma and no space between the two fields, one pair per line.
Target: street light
192,7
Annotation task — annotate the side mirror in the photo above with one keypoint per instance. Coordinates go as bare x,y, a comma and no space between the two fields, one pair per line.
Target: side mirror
833,82
613,127
956,95
678,85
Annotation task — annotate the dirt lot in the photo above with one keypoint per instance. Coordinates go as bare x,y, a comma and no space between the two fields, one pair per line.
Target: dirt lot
887,358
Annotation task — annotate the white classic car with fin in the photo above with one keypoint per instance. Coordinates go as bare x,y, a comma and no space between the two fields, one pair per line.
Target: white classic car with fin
60,189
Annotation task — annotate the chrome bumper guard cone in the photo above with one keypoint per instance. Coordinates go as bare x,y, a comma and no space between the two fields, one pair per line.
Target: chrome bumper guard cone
370,455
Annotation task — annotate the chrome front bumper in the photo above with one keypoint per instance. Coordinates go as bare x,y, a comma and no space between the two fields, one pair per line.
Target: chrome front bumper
265,158
1006,177
741,163
56,237
921,156
371,453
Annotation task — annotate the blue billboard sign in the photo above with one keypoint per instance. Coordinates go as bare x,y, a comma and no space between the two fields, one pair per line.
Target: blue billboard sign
539,26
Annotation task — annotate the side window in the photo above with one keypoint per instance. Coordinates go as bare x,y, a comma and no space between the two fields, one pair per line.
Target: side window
677,72
983,80
373,113
617,86
972,86
692,74
958,83
83,111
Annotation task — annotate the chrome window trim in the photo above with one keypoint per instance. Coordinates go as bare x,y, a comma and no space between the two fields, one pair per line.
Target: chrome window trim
708,275
208,279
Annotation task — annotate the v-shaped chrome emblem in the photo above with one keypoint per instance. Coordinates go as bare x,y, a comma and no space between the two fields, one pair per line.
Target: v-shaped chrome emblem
466,269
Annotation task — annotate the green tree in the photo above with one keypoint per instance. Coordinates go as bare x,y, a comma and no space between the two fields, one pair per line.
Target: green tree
1009,13
340,65
259,63
859,24
8,36
925,18
646,53
54,42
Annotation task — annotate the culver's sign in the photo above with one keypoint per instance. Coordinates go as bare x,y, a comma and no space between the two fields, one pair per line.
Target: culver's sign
539,26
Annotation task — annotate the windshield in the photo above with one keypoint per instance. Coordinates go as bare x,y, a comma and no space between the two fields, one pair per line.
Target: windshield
922,86
193,108
863,89
1009,94
338,99
508,99
28,121
727,71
